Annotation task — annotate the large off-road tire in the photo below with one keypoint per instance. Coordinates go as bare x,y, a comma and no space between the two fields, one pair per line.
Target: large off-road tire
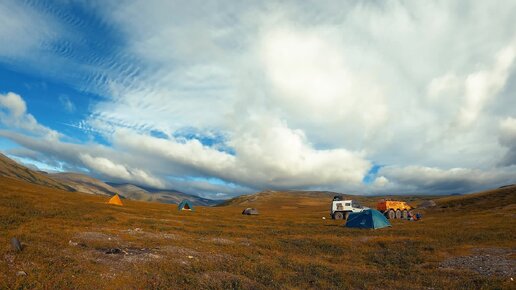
404,214
338,215
398,214
391,214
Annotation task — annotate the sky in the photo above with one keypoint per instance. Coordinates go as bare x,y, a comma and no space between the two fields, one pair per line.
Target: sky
222,98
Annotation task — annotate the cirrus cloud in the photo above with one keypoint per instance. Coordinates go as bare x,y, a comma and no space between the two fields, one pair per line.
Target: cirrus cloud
305,97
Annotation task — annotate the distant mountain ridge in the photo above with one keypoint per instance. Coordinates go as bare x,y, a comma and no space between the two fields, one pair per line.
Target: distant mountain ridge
78,182
132,191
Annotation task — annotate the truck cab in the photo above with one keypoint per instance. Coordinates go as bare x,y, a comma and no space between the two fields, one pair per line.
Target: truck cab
341,208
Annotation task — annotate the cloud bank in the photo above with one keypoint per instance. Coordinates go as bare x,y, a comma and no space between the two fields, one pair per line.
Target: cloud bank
227,98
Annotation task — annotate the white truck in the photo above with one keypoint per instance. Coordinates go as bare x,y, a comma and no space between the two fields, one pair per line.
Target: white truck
340,208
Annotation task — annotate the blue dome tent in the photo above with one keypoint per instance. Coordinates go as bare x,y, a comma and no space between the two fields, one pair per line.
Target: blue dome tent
185,205
367,219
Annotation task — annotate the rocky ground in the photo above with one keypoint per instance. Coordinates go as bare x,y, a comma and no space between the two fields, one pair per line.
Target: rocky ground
486,261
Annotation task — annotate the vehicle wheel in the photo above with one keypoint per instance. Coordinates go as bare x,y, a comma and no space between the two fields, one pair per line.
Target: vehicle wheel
346,215
391,214
404,214
338,215
398,214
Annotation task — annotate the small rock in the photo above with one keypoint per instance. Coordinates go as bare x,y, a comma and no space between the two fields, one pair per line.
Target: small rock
323,218
15,243
137,229
72,243
190,257
21,273
113,251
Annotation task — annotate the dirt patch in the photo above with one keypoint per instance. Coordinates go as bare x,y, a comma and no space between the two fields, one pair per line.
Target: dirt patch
110,250
120,258
184,255
245,242
131,254
488,262
141,233
131,251
95,236
222,241
179,251
181,255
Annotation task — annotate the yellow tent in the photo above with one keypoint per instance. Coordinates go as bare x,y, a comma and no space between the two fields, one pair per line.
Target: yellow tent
115,200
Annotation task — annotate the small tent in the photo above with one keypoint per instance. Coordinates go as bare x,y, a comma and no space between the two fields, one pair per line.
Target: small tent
250,211
115,200
367,219
185,205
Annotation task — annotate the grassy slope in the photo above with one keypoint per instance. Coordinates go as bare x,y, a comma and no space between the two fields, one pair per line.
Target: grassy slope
9,168
84,183
287,246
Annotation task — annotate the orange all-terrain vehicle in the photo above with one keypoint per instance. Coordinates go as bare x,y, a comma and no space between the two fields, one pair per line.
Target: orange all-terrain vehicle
394,209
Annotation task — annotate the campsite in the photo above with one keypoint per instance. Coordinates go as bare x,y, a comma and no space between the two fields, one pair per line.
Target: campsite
74,240
274,144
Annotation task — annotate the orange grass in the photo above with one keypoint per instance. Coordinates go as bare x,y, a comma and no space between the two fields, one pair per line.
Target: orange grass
66,236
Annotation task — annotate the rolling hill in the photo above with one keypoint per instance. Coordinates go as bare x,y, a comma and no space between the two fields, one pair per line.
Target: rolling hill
134,192
83,183
490,199
279,199
9,168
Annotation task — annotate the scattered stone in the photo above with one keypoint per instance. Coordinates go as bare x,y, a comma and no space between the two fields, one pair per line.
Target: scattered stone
222,241
488,262
72,243
113,251
21,273
179,251
129,251
171,236
190,257
15,243
323,218
9,258
141,233
94,236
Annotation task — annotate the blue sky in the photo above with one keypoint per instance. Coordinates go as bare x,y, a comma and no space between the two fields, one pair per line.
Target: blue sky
221,98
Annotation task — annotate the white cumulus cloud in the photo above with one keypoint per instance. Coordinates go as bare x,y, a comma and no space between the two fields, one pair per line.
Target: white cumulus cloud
299,96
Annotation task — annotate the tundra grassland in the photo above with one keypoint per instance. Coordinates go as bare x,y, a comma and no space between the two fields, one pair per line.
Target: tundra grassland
77,241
